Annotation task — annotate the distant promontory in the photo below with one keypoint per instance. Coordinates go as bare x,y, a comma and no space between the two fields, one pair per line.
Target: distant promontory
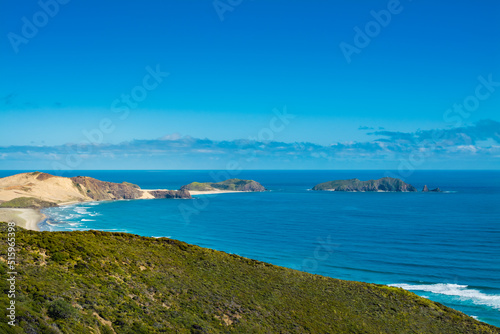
383,184
39,190
231,185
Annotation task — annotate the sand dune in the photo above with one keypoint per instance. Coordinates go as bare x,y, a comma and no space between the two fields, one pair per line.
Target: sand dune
42,186
63,190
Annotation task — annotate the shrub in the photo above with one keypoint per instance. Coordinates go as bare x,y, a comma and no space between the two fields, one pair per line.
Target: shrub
60,309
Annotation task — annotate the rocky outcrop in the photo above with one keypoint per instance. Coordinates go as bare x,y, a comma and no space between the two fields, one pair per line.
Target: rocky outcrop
228,185
183,193
101,190
426,190
252,186
383,184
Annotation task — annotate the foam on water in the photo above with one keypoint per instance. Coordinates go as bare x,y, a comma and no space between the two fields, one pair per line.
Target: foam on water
82,210
461,291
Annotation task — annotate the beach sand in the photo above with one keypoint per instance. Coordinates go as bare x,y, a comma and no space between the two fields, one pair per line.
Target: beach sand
26,218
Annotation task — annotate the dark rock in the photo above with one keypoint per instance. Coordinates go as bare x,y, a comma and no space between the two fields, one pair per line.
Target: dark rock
183,193
426,190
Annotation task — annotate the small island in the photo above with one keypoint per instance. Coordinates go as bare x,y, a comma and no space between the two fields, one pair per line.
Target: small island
427,190
380,185
231,185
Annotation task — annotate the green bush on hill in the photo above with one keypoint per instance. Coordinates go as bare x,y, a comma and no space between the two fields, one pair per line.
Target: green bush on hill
27,202
101,282
198,186
227,185
131,185
231,184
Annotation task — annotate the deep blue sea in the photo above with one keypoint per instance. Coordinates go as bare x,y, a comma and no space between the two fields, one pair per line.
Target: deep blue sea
442,246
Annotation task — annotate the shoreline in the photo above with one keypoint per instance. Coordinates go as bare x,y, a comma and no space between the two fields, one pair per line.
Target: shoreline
30,218
25,218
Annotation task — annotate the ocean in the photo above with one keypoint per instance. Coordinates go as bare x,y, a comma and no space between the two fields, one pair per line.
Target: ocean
442,246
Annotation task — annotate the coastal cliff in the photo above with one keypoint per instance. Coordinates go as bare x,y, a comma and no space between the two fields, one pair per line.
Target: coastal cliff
228,185
38,190
101,282
383,184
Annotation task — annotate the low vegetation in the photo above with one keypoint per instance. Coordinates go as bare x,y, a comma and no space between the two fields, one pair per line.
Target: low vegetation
27,202
101,282
227,185
131,185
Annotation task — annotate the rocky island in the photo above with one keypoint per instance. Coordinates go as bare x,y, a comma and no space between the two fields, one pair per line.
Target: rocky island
383,184
426,190
231,185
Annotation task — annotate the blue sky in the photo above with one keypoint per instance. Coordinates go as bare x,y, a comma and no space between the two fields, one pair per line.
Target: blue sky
67,79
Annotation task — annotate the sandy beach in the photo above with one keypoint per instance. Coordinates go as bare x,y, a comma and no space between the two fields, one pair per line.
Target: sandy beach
26,218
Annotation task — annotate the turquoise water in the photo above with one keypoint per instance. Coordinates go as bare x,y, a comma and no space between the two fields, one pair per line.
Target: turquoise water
443,246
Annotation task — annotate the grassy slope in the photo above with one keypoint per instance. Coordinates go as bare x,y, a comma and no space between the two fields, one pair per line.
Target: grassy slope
230,185
27,202
76,282
342,184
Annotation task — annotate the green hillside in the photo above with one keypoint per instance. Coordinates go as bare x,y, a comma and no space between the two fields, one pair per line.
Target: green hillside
100,282
227,185
27,202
